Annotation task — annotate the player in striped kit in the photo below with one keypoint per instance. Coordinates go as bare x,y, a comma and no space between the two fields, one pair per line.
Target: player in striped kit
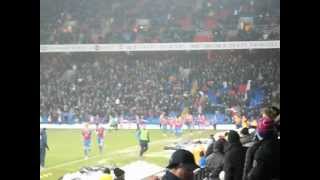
100,137
178,126
86,135
163,122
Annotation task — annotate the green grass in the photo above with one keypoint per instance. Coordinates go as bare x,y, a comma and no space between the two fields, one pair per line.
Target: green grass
121,147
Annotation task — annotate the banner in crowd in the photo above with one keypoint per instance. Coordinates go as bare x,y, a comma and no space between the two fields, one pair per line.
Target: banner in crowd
159,46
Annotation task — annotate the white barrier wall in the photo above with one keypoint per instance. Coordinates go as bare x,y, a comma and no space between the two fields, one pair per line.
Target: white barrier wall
46,48
226,126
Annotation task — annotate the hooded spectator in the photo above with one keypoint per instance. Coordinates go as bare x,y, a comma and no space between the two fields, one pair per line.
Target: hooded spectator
245,136
234,157
106,175
210,146
263,158
119,173
215,160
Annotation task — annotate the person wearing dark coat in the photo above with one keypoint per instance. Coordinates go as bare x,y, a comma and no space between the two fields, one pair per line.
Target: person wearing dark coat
245,138
209,150
211,146
119,174
263,158
215,160
277,124
234,157
249,158
181,166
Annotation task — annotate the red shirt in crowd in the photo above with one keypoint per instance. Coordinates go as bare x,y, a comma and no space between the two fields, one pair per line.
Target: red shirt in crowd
242,88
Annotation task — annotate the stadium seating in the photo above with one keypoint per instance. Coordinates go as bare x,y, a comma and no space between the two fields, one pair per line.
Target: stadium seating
88,87
143,21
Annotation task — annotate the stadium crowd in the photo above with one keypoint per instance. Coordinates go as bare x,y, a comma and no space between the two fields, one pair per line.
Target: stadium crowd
146,21
90,87
234,155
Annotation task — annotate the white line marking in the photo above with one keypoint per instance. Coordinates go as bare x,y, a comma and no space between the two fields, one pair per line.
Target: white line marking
45,175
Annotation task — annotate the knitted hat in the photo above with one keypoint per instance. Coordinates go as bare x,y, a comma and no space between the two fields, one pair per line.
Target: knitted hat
265,127
233,137
118,172
244,131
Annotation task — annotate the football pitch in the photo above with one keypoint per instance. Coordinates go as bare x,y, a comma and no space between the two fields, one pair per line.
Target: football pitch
121,147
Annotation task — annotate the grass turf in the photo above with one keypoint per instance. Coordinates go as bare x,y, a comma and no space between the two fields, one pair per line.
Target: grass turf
121,147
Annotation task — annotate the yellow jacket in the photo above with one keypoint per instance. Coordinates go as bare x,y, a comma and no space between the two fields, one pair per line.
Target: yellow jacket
106,177
245,122
196,153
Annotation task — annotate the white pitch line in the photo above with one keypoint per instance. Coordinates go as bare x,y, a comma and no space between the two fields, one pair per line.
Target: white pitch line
68,163
45,175
93,157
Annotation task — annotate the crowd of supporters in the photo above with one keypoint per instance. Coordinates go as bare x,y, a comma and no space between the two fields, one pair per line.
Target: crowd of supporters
90,87
233,155
147,21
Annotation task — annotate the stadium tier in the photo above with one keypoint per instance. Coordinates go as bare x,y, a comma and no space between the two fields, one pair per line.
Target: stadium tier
166,21
89,87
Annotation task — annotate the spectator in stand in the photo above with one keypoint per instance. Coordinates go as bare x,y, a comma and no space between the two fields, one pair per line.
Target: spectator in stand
211,139
202,161
244,136
234,157
211,145
263,158
106,175
88,87
245,122
199,147
215,160
237,121
271,112
119,173
105,22
246,139
181,166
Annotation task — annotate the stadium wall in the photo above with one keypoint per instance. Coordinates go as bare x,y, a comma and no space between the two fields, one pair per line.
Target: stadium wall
45,48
